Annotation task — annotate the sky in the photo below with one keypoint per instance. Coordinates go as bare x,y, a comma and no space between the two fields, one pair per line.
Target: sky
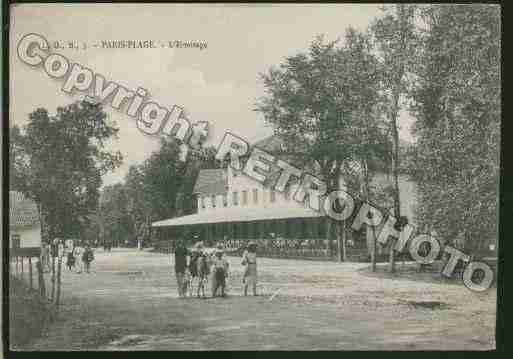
219,84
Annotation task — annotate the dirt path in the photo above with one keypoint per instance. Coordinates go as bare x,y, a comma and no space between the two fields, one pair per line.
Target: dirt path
129,302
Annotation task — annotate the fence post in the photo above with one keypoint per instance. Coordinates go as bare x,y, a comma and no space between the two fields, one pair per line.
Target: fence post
41,279
30,272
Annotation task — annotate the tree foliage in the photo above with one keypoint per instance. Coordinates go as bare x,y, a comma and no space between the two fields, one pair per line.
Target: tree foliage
58,161
159,188
395,39
323,102
457,109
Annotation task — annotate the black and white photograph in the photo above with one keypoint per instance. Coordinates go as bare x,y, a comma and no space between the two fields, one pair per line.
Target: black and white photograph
252,177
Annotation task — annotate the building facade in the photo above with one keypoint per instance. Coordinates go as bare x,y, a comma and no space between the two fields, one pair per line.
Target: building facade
234,208
24,226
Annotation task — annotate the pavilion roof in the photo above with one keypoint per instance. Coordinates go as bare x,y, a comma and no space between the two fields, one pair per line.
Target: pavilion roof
239,214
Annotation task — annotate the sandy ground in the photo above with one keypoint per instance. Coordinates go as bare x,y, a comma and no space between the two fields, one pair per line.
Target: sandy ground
129,302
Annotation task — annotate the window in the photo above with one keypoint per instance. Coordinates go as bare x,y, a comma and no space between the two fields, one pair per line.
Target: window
273,196
213,199
244,198
255,196
203,202
235,198
15,241
225,200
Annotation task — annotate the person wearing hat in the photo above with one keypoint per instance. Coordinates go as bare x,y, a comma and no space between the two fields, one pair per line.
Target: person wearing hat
196,252
249,260
220,271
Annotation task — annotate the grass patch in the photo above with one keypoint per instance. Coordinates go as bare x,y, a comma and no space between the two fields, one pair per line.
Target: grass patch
28,314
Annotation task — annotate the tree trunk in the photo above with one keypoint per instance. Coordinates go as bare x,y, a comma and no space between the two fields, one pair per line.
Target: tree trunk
344,240
53,278
339,242
30,273
328,235
370,235
369,231
395,174
41,280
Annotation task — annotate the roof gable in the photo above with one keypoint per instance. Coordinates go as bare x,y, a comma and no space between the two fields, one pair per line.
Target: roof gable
22,211
272,144
211,181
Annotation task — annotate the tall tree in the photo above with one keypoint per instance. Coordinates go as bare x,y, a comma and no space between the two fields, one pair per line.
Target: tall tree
113,211
323,103
396,42
138,203
61,159
163,172
457,105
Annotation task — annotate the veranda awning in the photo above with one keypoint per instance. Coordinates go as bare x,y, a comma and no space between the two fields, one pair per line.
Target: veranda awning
239,214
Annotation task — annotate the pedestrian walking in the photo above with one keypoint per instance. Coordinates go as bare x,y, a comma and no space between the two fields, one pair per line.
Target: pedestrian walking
249,260
87,258
180,267
78,251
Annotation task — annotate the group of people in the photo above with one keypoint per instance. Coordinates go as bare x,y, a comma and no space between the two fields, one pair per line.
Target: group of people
86,255
194,267
58,248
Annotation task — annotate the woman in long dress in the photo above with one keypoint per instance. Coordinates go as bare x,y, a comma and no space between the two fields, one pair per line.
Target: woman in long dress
249,260
78,251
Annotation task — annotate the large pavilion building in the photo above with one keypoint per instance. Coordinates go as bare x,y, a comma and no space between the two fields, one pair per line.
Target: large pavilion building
234,208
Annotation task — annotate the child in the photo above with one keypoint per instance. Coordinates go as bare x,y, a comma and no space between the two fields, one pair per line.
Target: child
70,263
249,260
186,285
220,269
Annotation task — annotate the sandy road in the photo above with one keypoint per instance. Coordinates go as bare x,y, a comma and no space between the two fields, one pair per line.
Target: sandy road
129,302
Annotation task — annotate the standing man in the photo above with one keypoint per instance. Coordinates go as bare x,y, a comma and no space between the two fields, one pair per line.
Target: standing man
180,266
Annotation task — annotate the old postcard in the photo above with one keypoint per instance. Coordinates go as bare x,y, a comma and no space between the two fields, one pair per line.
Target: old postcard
253,176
